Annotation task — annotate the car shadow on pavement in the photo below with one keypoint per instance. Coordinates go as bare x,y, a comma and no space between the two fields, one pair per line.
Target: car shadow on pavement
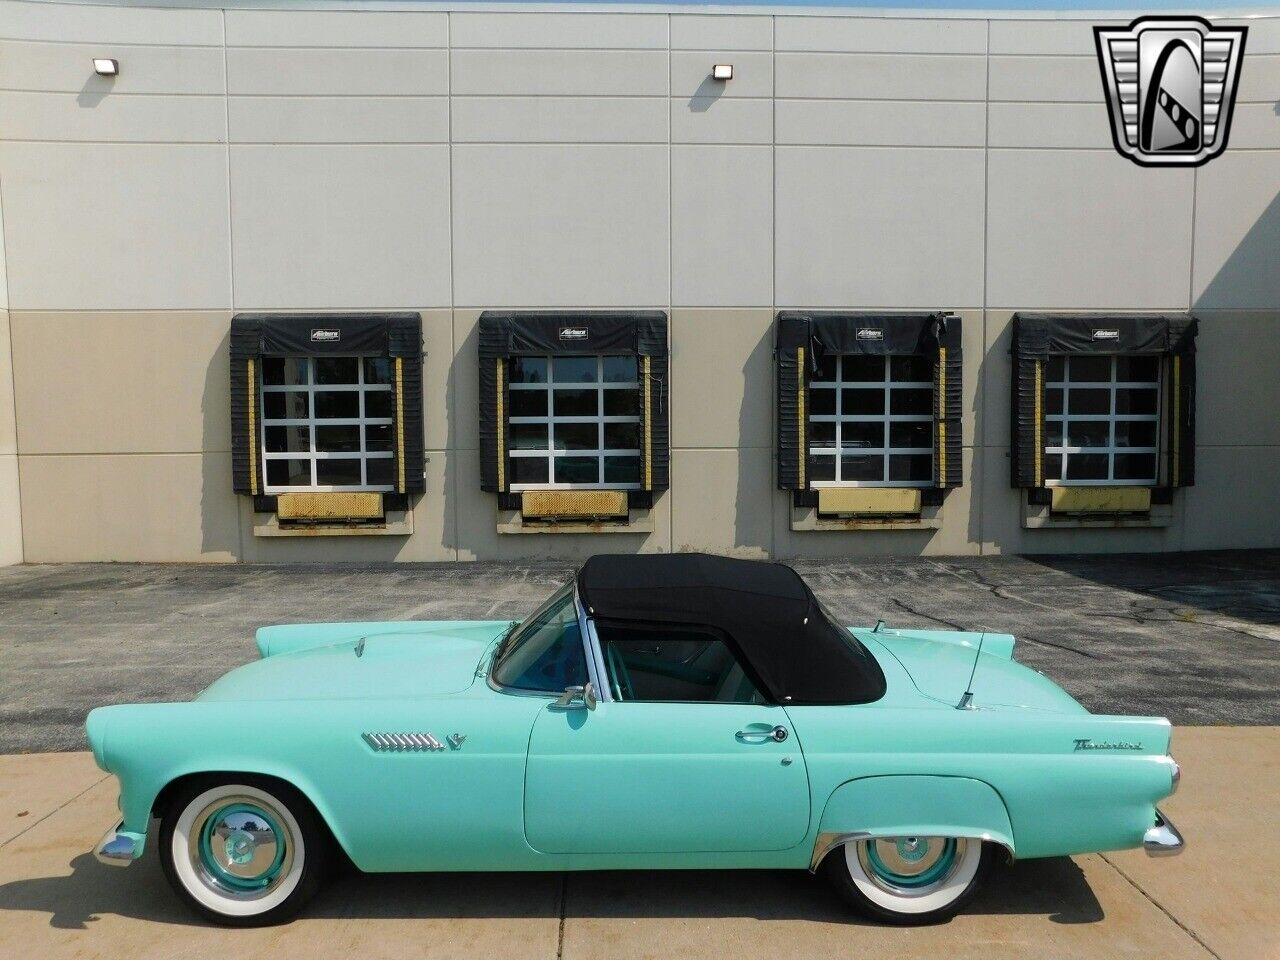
1054,888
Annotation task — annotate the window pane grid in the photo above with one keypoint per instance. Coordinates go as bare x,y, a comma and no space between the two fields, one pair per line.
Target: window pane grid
846,457
1077,451
304,463
552,458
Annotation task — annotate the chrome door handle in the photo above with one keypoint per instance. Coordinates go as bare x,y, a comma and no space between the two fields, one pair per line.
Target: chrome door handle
777,734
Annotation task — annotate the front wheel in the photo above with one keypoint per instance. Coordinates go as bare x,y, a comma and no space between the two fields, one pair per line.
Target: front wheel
909,881
243,853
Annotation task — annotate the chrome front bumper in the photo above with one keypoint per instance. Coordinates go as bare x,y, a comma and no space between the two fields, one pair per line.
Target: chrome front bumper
118,848
1163,840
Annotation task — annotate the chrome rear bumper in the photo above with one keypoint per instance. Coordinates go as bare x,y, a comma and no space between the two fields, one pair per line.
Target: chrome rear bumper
1163,840
118,848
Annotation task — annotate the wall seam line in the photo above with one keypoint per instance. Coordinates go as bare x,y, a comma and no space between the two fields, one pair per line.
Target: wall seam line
231,253
979,423
773,292
451,383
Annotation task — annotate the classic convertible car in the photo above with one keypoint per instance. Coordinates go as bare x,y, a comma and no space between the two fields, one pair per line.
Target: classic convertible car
674,711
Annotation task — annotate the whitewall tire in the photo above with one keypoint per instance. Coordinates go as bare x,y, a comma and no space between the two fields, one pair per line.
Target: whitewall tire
909,880
243,852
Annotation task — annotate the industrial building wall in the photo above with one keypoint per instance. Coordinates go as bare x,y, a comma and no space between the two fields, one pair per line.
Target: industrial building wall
449,163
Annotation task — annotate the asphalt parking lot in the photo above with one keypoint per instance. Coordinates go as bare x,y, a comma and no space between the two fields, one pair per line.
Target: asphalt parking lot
1195,637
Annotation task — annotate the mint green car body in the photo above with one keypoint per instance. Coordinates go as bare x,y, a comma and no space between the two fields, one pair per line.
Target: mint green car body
644,785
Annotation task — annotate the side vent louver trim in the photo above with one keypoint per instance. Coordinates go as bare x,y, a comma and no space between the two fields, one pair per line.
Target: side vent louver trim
402,742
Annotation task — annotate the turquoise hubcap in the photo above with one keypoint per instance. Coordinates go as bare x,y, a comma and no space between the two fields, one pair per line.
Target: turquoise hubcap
909,864
242,847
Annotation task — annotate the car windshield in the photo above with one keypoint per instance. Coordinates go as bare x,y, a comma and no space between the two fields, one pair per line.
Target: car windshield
544,654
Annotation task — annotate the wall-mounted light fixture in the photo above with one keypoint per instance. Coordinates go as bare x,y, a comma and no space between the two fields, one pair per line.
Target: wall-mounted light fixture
106,67
722,71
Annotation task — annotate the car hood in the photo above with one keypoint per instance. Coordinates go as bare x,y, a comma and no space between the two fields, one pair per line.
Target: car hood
415,662
940,664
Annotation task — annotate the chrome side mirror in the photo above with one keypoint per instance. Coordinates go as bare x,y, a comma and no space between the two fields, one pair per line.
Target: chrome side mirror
577,696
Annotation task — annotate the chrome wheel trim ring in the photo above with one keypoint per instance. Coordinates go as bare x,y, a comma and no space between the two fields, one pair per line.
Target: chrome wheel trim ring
234,855
215,896
927,864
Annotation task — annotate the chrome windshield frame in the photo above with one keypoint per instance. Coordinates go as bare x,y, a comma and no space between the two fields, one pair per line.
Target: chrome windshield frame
591,649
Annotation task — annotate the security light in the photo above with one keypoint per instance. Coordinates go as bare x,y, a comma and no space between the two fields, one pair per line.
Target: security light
106,67
722,71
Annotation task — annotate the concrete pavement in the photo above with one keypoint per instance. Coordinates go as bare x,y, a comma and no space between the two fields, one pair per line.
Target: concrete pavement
1218,900
1193,637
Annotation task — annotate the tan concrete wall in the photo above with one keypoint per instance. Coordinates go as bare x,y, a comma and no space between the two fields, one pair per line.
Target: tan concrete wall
453,162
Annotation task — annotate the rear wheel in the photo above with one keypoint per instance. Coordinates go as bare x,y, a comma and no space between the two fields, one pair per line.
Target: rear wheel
909,880
243,853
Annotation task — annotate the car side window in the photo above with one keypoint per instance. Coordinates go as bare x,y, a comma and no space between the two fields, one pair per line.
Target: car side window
545,652
673,664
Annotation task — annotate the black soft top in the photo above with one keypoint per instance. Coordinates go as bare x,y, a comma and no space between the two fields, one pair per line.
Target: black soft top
794,650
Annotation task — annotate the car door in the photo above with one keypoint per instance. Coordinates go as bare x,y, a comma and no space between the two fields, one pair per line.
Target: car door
686,756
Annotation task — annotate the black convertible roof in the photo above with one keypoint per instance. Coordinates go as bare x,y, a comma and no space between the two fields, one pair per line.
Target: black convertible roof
768,612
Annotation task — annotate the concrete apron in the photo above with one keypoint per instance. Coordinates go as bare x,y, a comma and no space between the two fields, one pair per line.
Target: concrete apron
1217,900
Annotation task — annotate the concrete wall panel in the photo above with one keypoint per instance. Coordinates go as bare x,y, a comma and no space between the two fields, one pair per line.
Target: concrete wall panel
868,76
336,28
623,31
1123,243
115,226
340,227
560,73
1228,505
722,502
166,375
888,35
1237,231
721,120
107,508
10,511
691,74
1237,360
8,421
116,118
605,208
69,22
1047,37
855,230
68,68
890,124
1044,125
559,120
1040,78
733,408
692,32
1259,77
722,225
338,119
319,73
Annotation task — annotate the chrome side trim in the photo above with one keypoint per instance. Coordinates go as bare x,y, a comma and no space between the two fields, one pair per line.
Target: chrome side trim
1163,839
410,742
116,849
826,842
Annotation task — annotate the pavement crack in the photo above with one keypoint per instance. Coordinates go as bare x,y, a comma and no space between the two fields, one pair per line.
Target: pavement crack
33,825
564,895
1059,646
916,613
1159,906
